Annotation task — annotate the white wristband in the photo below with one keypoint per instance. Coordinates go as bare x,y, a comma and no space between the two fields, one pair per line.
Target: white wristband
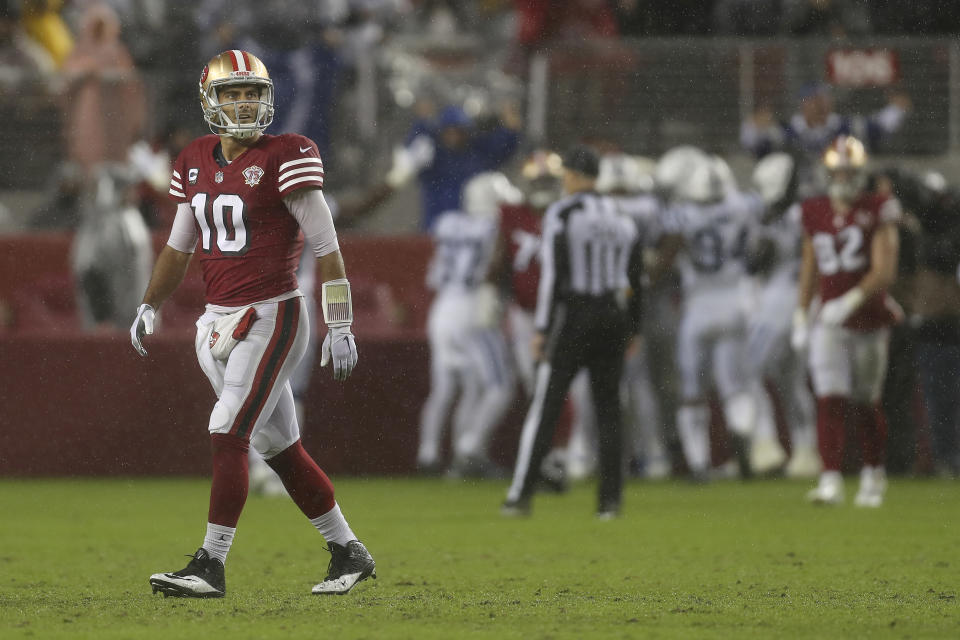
337,303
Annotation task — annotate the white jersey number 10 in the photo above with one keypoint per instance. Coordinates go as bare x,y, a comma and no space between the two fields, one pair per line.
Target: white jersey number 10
225,220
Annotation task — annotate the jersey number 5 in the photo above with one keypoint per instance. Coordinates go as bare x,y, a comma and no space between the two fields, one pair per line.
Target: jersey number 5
849,257
225,219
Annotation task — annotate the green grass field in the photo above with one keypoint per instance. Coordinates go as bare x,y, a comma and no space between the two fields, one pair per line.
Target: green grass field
729,560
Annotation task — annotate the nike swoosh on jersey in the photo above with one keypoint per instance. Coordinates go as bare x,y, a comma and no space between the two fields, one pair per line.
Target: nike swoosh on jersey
304,149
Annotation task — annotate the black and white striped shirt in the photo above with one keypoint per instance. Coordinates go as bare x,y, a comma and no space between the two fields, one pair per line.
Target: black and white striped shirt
590,249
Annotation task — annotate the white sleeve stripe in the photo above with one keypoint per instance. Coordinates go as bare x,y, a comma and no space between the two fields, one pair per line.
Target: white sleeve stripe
174,183
300,161
290,183
176,175
177,193
293,172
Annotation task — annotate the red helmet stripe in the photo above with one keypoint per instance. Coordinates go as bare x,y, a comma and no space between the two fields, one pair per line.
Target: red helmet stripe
246,61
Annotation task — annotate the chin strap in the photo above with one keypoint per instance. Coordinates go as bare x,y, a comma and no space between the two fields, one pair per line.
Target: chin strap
337,303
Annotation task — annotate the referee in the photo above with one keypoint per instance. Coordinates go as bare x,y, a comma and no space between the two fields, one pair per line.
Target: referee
590,257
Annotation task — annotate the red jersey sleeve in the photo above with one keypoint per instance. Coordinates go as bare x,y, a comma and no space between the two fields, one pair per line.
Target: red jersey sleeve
299,165
178,180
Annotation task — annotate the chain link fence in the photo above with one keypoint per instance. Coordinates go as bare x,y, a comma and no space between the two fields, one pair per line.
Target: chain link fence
647,96
644,96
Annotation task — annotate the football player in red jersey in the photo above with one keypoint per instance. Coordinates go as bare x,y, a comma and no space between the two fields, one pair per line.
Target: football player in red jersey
244,196
850,252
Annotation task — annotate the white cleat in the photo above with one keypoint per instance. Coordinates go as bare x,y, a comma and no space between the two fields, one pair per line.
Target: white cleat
873,487
829,491
804,463
767,456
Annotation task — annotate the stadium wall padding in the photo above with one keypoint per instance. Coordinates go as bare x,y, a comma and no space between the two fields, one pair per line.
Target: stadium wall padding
84,403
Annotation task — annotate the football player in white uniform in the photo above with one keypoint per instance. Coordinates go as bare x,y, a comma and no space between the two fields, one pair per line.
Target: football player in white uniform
468,350
709,227
629,181
768,342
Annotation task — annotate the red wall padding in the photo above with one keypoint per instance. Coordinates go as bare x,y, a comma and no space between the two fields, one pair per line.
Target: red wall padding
92,406
74,403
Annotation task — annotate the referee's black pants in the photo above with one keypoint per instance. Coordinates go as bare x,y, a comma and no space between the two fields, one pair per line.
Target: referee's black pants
591,333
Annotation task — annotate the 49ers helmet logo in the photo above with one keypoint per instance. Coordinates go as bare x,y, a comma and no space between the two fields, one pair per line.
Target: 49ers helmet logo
252,175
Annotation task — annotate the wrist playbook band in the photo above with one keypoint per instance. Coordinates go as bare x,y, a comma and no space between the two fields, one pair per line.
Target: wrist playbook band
337,303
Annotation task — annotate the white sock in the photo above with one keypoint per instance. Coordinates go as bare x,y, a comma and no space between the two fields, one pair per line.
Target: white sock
766,422
693,426
218,541
333,526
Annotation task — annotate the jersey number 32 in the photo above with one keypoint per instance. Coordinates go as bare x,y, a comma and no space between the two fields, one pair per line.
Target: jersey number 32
843,252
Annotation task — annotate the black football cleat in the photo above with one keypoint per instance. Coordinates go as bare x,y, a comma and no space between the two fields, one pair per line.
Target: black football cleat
349,564
201,578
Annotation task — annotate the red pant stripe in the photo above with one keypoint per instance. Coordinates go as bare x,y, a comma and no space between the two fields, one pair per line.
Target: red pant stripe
288,315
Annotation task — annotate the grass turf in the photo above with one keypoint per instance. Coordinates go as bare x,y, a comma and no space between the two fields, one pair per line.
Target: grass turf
719,561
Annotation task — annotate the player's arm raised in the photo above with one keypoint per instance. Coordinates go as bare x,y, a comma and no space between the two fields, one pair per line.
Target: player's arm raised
168,272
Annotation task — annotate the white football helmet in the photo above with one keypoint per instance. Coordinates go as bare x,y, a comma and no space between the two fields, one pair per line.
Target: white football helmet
703,185
234,68
623,174
725,174
773,176
484,193
675,166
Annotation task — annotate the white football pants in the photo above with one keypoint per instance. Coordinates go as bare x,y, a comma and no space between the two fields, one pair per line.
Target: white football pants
255,400
848,364
771,357
468,361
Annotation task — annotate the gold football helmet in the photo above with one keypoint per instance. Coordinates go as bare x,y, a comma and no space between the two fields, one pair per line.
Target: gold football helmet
845,162
235,68
541,178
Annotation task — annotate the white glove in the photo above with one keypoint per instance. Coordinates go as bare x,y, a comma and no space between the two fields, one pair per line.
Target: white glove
142,325
835,312
410,160
800,335
402,169
340,347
